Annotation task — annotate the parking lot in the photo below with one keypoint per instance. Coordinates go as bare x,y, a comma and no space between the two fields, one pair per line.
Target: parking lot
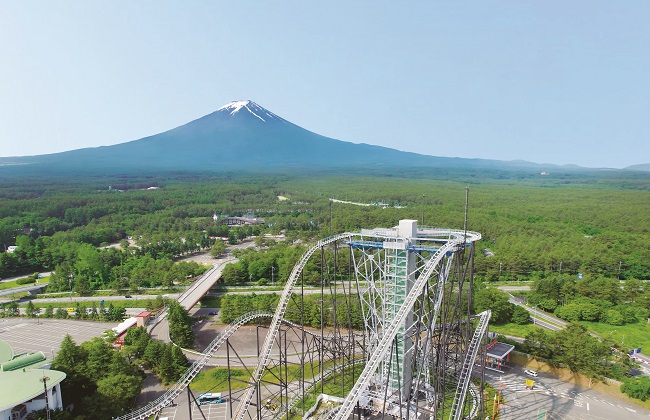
207,411
28,334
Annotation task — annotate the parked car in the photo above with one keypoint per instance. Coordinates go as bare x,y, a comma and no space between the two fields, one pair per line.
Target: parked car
209,398
530,372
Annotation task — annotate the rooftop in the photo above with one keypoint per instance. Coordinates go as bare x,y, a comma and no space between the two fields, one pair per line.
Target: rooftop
6,352
24,383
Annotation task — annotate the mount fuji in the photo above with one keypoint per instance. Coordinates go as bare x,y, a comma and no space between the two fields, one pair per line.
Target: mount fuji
240,135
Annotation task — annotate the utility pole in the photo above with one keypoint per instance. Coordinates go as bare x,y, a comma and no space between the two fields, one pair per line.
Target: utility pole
70,280
47,402
422,221
331,218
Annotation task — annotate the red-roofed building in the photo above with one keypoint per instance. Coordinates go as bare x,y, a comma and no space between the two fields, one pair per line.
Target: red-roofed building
143,318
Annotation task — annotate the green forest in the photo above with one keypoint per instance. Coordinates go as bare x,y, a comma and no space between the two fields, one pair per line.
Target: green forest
580,241
531,228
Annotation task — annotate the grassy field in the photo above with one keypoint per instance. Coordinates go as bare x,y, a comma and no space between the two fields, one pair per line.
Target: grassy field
126,303
629,335
216,379
210,302
14,283
513,329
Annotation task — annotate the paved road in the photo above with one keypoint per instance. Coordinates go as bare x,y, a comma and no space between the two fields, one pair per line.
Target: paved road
43,274
201,286
552,398
514,288
22,289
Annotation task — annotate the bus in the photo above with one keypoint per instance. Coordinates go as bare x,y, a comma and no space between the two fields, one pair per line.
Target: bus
209,398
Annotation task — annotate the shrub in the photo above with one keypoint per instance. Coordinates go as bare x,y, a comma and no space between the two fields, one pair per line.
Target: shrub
26,280
638,388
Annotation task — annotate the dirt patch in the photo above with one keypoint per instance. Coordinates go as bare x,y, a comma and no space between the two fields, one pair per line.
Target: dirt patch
203,258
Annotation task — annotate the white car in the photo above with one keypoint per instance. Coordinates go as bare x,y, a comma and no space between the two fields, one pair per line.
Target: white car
530,372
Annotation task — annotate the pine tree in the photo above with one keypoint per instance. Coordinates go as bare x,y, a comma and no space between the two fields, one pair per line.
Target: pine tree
180,362
100,356
68,359
166,365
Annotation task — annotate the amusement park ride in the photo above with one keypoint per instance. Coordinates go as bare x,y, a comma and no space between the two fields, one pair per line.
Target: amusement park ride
396,337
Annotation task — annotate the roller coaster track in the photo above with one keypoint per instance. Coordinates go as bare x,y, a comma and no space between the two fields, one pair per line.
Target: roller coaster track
389,335
165,399
173,392
277,319
319,378
466,372
455,241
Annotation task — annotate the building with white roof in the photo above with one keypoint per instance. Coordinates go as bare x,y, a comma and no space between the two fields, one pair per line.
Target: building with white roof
25,386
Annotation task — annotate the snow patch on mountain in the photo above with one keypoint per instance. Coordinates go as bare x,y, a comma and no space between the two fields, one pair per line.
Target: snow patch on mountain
234,107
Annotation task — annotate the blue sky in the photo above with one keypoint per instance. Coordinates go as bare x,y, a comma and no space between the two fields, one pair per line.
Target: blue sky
546,81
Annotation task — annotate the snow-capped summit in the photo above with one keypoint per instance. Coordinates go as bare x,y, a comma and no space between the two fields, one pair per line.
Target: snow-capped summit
252,108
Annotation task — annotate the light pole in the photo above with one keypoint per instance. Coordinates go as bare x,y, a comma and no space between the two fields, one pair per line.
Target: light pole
70,280
47,403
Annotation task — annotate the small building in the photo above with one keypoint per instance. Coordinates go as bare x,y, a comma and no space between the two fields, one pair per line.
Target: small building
247,219
121,329
25,386
498,354
142,319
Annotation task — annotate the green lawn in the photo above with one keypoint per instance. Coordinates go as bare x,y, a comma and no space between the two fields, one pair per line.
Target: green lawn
513,329
216,380
125,303
211,301
14,283
630,335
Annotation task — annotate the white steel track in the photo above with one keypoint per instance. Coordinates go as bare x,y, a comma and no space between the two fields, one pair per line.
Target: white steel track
391,331
166,399
275,323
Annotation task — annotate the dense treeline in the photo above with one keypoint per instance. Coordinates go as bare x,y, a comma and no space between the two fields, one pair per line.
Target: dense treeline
164,359
99,379
180,324
592,298
576,349
307,311
563,224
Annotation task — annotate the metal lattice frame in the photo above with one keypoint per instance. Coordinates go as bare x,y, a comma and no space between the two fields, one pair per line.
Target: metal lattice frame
418,343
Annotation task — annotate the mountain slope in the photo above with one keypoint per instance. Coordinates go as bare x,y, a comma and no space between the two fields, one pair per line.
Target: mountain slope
238,136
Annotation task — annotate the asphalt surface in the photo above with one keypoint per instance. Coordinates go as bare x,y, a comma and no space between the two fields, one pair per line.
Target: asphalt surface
552,398
33,334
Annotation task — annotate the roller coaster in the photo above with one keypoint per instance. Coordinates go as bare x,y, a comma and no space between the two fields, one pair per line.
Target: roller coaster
389,334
